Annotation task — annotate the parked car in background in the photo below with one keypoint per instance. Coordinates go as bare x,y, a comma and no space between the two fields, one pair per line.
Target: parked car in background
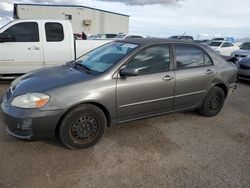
228,39
118,82
104,36
244,68
224,48
124,36
202,41
244,51
184,37
26,45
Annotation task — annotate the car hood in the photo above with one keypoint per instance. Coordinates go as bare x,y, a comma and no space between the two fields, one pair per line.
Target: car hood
242,52
46,79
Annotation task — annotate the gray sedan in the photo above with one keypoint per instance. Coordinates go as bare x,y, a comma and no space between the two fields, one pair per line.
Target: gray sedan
115,83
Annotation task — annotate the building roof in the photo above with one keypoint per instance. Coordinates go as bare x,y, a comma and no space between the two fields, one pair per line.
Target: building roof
75,6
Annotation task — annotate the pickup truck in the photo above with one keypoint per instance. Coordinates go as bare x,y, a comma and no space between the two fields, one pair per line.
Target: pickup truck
26,45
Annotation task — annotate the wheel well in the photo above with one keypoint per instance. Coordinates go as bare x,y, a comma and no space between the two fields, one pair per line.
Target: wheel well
104,109
223,87
106,112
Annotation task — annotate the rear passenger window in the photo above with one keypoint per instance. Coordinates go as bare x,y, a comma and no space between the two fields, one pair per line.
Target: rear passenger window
152,60
190,56
24,32
207,60
54,32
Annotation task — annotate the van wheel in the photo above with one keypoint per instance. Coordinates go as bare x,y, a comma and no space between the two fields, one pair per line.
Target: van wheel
213,102
83,126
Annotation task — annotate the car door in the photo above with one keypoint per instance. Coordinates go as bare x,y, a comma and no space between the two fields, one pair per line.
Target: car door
152,91
194,75
57,45
25,52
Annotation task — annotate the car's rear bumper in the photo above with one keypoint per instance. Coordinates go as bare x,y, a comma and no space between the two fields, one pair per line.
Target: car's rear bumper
30,124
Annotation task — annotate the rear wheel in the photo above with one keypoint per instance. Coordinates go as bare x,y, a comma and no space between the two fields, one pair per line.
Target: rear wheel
213,102
83,126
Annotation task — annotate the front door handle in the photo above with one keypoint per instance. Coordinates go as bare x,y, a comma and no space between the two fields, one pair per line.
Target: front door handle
209,71
168,78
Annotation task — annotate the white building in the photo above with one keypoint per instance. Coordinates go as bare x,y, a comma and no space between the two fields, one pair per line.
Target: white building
84,19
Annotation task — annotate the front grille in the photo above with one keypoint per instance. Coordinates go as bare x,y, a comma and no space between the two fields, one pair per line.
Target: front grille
244,67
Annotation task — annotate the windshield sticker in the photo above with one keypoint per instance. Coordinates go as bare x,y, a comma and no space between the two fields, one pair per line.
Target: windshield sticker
127,45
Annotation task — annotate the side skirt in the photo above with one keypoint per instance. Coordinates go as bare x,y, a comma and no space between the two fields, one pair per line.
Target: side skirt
159,114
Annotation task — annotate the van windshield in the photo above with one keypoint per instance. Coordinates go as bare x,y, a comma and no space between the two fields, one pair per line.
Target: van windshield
104,57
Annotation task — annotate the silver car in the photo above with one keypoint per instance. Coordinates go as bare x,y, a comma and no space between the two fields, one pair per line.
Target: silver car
119,82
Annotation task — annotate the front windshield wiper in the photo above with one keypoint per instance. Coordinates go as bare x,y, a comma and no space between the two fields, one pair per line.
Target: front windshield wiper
78,64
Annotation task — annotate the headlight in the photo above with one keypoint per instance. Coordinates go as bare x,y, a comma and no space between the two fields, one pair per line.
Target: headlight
30,100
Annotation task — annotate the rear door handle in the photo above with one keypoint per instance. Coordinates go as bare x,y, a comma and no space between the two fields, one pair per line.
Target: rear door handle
168,78
209,71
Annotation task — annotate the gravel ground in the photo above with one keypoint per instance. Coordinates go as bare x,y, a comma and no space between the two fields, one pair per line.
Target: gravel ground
177,150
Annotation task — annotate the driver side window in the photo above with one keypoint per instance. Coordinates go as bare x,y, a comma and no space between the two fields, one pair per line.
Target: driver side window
24,32
151,60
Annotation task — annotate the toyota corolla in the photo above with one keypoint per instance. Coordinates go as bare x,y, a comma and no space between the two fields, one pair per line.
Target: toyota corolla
115,83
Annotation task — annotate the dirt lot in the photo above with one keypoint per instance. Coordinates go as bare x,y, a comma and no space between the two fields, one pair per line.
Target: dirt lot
177,150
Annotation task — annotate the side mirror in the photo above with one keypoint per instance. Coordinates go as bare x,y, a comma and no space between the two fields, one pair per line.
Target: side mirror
129,72
6,37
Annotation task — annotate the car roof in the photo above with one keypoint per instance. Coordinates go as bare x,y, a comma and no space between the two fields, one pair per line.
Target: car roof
152,41
144,42
44,20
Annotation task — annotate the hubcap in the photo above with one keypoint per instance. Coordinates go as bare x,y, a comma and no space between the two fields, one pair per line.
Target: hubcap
214,102
84,128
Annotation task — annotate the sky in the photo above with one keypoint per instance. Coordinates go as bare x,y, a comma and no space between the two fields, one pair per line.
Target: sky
202,19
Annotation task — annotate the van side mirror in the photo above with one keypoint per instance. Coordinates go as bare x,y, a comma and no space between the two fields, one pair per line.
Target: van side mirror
129,72
6,37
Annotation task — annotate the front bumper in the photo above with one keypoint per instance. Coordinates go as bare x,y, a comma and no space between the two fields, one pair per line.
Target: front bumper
30,124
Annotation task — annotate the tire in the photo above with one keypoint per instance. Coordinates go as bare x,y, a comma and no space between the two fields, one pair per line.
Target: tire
213,102
83,126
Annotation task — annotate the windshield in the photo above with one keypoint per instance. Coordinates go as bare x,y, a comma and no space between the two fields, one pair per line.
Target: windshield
217,44
5,25
245,46
175,37
218,39
104,57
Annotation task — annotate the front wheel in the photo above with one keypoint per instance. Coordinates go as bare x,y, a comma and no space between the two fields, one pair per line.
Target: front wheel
213,102
83,126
